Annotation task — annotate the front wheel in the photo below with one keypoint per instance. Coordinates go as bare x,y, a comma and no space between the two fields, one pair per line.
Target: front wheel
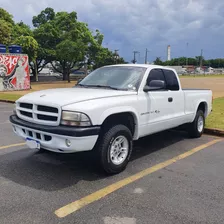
41,150
196,128
115,148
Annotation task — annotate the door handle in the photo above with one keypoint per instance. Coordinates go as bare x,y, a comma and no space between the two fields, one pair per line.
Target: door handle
170,99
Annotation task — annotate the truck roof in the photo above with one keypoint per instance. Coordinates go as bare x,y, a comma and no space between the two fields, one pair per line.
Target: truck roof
140,65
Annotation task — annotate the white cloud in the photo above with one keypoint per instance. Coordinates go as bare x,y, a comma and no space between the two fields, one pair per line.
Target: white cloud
136,24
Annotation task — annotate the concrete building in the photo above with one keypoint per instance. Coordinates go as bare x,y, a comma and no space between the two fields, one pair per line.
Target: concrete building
179,69
168,53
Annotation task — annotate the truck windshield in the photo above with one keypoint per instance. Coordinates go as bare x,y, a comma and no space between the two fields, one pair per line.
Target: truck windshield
115,77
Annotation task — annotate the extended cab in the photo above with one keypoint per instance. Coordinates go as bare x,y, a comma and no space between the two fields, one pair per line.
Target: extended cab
109,109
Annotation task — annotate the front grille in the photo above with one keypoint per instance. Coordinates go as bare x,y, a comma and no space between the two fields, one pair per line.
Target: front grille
40,114
36,135
46,117
47,109
26,105
27,114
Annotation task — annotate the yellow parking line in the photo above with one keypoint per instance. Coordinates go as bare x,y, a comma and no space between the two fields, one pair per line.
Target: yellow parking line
76,205
10,146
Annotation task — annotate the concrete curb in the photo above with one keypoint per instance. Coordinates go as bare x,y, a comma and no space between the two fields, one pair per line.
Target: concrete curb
213,131
7,101
210,131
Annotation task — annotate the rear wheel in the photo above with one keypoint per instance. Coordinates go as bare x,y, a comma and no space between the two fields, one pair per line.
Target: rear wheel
115,148
196,128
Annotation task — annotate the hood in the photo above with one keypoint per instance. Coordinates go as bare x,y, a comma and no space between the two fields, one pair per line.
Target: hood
66,96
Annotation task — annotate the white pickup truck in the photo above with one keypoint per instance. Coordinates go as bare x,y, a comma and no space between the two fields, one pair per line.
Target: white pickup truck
109,109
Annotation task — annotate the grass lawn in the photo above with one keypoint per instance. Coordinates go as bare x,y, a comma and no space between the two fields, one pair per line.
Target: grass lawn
202,76
9,96
216,118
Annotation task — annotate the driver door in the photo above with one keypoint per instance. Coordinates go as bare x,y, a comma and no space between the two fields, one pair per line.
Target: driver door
159,105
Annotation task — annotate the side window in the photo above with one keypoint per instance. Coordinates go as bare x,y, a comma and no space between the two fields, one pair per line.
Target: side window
171,80
155,74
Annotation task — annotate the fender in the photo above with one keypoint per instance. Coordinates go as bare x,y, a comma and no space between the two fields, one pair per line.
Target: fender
122,109
197,105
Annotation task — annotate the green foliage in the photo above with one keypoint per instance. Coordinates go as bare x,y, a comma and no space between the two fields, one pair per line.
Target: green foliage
45,16
106,57
63,40
158,61
6,25
215,63
29,46
215,119
5,32
9,97
100,56
57,38
4,15
21,29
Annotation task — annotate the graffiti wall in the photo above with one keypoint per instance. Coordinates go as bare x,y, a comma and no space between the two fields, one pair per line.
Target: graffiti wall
14,72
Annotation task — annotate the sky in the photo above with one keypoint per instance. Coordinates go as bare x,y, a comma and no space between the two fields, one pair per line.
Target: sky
134,25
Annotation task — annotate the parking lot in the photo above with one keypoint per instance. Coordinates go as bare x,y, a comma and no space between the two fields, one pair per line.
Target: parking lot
173,180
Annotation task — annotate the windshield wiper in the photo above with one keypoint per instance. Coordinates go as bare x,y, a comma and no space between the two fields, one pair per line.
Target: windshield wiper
82,85
100,86
104,86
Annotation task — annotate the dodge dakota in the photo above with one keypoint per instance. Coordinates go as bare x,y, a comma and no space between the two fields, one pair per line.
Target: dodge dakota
108,110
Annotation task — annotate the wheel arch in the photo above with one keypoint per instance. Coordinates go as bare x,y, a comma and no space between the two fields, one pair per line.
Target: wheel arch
126,116
202,105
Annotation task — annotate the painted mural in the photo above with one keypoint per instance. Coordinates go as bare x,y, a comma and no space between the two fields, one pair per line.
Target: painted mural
14,72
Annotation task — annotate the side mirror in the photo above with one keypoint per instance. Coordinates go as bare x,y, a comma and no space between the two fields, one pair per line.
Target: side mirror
154,85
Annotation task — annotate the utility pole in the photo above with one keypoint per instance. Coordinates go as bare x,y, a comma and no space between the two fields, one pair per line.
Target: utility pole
187,56
116,55
201,58
135,52
146,55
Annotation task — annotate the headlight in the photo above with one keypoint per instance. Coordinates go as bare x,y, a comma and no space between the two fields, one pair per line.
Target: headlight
75,119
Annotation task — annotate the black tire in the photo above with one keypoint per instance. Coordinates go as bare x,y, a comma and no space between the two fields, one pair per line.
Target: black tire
193,130
104,145
41,150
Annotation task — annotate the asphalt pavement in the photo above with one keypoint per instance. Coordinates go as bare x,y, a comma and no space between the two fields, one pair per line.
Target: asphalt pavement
187,189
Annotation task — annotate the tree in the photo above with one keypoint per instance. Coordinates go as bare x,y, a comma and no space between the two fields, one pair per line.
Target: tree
6,25
158,61
45,16
5,32
4,15
30,47
69,54
45,34
63,40
106,57
95,47
21,29
74,39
